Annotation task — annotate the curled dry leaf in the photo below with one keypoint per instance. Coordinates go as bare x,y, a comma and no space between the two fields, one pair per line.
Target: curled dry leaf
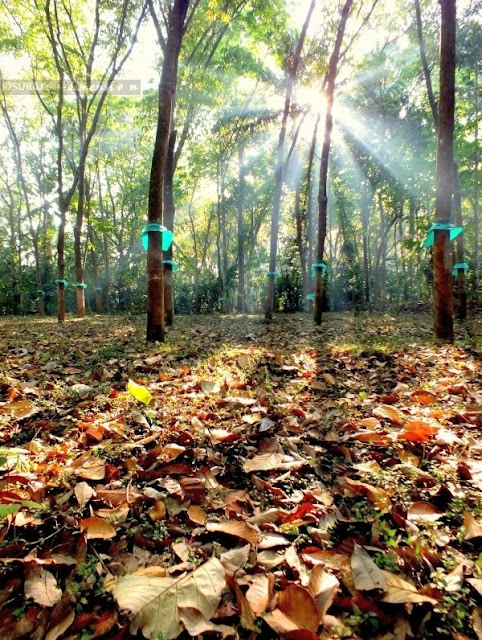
196,624
237,528
96,528
323,586
472,528
153,603
260,592
386,412
377,496
296,610
423,512
41,586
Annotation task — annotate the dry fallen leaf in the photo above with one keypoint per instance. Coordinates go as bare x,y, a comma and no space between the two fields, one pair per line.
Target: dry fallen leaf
153,603
386,412
41,586
296,610
366,575
323,586
97,528
472,528
83,492
237,528
423,511
260,592
269,461
399,591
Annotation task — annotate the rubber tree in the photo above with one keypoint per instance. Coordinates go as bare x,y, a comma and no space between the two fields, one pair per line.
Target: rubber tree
325,153
442,254
167,89
293,68
459,241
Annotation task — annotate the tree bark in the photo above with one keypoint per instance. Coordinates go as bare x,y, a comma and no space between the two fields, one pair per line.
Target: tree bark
461,305
169,211
325,153
443,312
167,89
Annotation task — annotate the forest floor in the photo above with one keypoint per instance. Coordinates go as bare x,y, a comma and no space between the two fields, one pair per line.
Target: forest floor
250,481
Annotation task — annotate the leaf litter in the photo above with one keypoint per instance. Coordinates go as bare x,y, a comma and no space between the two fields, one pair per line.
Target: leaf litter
294,482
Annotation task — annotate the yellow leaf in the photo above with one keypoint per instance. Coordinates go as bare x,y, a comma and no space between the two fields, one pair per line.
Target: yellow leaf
139,392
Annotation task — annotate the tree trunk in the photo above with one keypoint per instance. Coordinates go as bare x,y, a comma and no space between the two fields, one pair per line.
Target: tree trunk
366,269
461,305
279,169
79,267
443,314
325,153
167,89
169,211
241,191
477,185
61,262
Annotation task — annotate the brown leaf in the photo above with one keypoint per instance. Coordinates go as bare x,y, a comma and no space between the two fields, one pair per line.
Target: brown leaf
400,591
366,575
19,409
41,586
96,528
196,514
377,496
296,610
260,592
236,528
423,512
386,412
328,378
323,586
157,511
61,626
92,469
472,528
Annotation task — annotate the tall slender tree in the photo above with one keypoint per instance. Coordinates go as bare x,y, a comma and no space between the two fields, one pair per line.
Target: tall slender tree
442,258
325,153
293,68
167,88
